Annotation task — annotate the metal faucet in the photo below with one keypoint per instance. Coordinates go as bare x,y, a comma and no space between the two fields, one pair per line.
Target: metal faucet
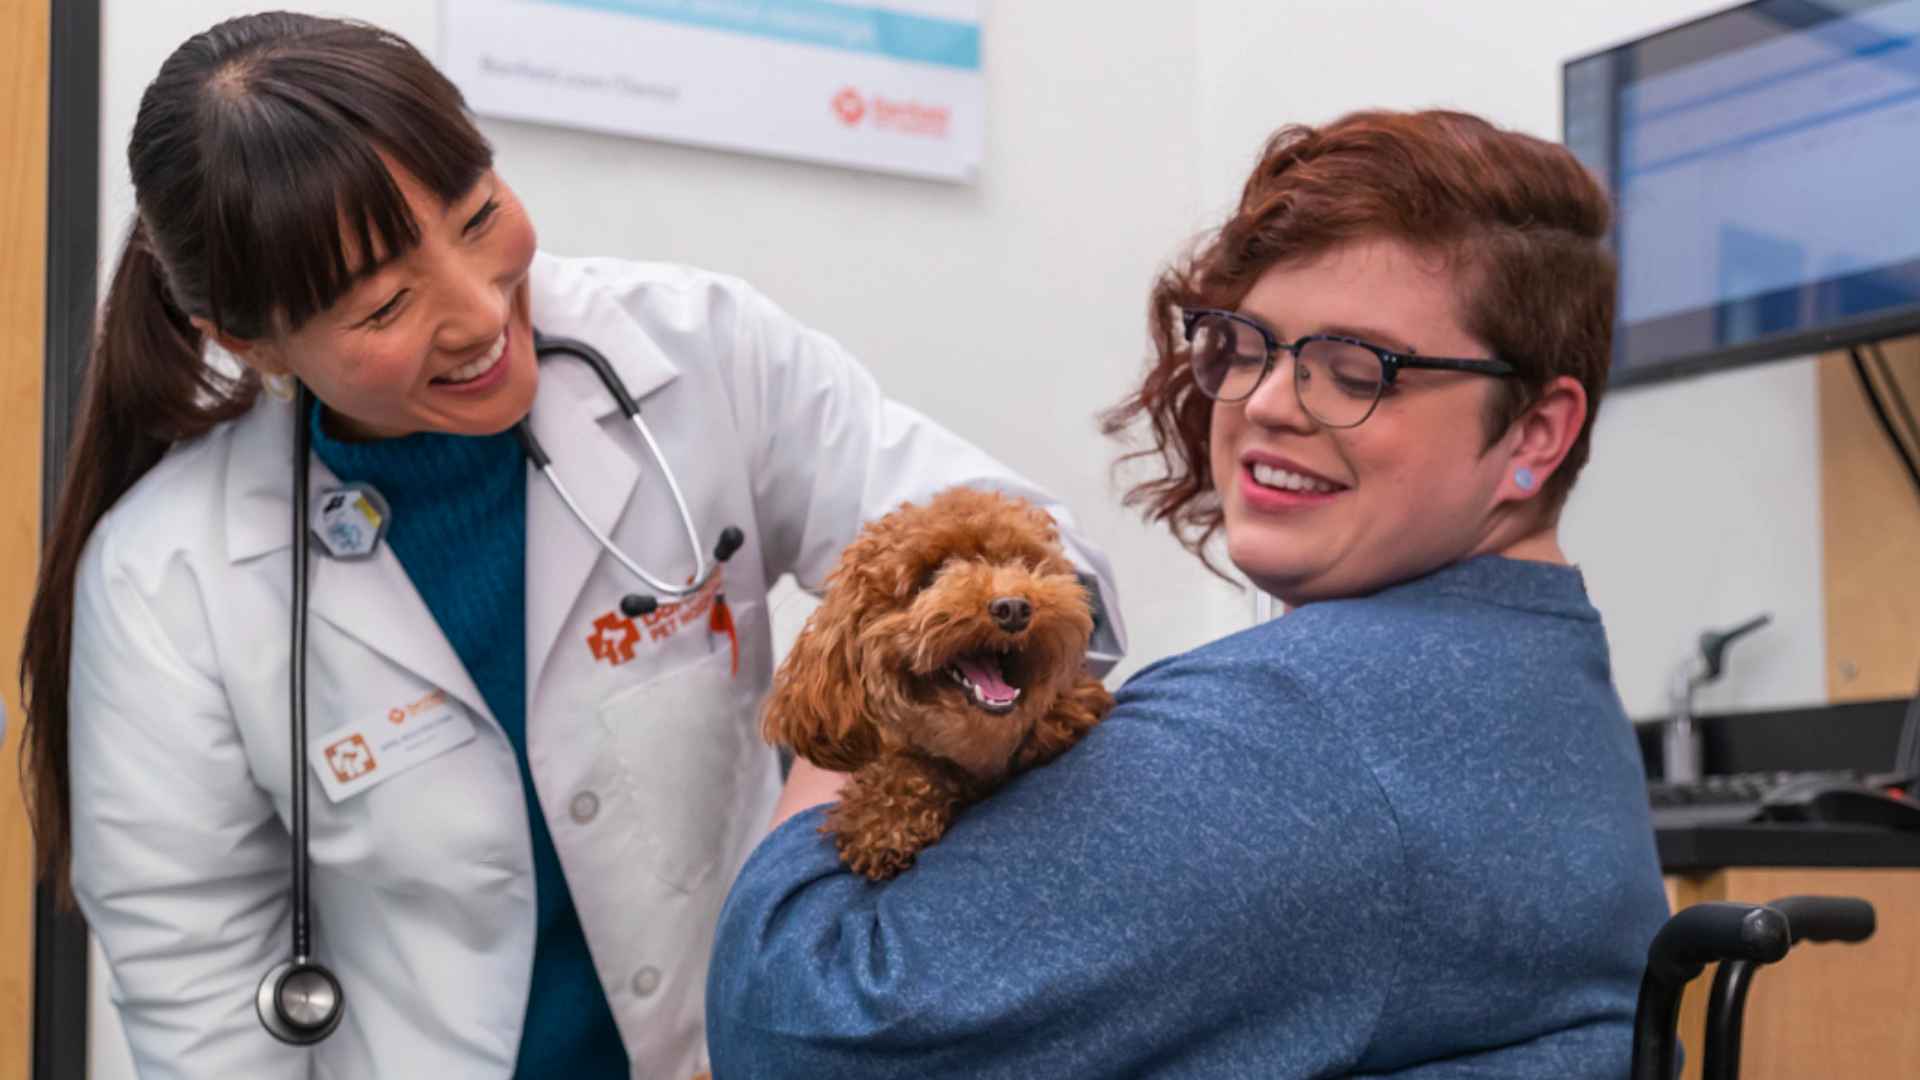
1680,741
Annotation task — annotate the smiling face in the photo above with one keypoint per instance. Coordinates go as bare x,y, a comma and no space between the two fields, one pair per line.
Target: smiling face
972,626
1314,513
437,339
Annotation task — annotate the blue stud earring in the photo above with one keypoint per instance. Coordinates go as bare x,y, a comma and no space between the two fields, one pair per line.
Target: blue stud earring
1523,477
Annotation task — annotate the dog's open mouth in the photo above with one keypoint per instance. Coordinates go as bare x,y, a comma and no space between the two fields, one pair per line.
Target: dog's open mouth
984,675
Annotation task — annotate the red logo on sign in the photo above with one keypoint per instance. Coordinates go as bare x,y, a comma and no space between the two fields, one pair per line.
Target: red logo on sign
613,638
892,115
912,118
849,106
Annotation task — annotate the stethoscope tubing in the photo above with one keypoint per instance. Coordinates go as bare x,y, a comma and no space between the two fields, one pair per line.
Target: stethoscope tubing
297,679
299,1001
327,1006
544,346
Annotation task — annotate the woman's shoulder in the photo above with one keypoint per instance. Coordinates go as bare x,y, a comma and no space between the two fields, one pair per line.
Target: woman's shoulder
200,498
1339,655
1297,641
567,287
1484,601
1236,680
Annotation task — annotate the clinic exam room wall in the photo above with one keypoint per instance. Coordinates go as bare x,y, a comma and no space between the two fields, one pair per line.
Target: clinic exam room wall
1012,309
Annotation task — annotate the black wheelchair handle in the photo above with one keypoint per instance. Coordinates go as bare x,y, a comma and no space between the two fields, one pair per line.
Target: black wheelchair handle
1826,918
1690,940
1811,918
1711,932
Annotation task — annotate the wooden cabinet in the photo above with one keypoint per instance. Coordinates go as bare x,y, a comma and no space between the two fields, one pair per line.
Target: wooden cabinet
1870,517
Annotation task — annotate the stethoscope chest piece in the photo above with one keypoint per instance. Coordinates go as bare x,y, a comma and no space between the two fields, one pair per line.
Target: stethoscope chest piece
300,1002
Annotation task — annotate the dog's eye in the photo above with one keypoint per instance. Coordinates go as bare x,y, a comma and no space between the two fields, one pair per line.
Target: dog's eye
927,578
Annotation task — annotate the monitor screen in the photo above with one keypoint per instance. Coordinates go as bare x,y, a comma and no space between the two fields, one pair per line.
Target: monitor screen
1765,163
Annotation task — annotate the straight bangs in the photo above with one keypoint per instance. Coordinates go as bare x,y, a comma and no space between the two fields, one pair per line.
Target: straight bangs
302,205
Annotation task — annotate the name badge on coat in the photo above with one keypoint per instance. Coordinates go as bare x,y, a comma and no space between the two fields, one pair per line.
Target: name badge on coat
374,749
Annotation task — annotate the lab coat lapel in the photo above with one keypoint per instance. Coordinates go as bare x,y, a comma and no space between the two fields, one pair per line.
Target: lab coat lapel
373,601
592,445
599,473
370,600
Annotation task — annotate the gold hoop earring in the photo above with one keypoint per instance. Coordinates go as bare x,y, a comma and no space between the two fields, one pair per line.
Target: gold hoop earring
280,386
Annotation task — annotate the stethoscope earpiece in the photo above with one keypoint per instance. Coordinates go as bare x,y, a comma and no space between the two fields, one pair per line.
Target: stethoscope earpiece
300,1002
636,605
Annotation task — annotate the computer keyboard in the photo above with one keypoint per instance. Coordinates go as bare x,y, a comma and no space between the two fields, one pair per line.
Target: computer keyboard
1733,799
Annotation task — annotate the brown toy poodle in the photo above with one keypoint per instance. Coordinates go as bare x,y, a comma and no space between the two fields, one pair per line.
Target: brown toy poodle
947,654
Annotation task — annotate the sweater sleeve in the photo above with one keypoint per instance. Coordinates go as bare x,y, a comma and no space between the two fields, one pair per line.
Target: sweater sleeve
1208,882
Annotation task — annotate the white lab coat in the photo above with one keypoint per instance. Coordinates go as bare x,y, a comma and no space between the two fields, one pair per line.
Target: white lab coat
651,774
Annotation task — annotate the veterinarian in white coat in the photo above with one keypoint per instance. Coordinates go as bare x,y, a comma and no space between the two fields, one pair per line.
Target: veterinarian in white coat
641,733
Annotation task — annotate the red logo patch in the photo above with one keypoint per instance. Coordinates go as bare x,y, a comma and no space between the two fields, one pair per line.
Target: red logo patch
350,758
849,106
613,638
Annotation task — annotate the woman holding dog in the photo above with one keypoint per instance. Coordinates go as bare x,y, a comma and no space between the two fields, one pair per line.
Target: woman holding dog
530,793
1400,830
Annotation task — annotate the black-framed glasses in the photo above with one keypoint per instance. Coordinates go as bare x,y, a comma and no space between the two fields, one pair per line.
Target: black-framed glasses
1337,379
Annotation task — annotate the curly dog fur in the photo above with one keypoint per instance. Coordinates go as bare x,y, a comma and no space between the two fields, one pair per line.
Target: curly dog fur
947,655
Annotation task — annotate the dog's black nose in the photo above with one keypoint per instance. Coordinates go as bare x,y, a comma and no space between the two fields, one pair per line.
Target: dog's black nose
1011,612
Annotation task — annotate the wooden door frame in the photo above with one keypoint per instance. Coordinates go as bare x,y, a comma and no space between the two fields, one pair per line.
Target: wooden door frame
60,999
24,56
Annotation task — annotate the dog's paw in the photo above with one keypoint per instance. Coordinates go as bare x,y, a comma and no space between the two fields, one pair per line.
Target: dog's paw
874,861
889,811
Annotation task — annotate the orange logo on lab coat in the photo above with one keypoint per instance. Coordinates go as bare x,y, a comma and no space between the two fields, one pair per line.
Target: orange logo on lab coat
613,638
350,758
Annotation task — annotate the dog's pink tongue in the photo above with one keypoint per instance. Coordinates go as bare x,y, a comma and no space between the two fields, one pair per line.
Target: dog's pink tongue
985,675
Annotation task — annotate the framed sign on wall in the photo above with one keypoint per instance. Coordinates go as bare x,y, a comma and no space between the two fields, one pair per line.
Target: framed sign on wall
892,87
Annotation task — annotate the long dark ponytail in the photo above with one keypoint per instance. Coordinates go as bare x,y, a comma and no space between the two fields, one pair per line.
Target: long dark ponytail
258,139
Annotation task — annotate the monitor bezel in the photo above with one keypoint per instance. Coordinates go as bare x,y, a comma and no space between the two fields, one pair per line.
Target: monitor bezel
1792,344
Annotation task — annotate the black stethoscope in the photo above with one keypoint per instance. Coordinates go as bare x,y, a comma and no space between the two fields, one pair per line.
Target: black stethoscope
300,1001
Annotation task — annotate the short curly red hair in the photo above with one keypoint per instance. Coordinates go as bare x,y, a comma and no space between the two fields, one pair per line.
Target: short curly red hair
1523,220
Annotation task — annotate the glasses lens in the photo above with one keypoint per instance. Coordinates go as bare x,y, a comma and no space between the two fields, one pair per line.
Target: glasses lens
1338,381
1228,357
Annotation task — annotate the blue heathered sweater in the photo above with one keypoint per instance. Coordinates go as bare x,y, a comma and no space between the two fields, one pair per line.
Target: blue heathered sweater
459,529
1404,835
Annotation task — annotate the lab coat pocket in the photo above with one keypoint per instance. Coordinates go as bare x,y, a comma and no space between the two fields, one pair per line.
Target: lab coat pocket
684,746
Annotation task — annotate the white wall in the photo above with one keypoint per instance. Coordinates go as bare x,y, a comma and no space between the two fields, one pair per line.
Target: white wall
1013,308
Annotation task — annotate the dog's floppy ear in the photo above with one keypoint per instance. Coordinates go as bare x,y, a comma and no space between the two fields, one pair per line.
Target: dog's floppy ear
817,706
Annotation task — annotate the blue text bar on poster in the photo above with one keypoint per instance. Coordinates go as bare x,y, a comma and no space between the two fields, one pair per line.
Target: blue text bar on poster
895,35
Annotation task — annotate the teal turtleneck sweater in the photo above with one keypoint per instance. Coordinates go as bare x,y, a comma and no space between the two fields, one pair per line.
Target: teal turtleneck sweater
459,528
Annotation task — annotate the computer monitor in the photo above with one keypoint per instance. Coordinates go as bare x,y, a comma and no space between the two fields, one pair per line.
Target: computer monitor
1765,163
